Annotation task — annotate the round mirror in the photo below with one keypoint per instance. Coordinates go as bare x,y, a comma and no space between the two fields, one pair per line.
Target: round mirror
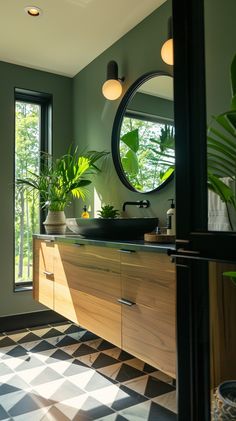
143,134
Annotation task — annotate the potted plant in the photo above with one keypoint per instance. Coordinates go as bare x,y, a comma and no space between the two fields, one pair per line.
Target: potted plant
59,181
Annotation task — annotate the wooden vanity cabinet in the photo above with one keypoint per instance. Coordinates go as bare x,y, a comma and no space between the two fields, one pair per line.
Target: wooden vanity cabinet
87,287
126,297
148,321
43,272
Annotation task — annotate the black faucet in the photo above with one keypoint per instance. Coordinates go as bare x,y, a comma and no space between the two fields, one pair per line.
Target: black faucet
138,203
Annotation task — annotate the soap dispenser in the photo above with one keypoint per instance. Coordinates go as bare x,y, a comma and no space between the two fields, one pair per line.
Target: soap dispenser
171,218
85,213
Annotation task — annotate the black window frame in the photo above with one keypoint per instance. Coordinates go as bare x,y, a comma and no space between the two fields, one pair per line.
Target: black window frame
45,101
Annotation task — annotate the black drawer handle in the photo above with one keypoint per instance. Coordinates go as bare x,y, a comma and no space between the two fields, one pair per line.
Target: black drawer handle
45,272
126,251
125,302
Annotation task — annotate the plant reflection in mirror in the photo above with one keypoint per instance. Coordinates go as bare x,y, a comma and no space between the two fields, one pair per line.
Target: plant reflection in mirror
147,152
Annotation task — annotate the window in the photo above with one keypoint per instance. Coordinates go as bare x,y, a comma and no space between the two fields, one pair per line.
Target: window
32,133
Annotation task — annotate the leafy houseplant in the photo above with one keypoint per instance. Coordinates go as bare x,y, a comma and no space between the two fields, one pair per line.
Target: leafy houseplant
221,149
108,211
59,181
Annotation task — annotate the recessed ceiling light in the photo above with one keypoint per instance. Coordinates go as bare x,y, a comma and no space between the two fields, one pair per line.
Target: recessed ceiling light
33,11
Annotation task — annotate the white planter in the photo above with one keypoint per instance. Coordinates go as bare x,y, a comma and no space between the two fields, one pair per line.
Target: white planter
55,222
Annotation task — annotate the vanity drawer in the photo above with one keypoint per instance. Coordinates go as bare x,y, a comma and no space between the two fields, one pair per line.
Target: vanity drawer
90,269
149,336
149,279
43,272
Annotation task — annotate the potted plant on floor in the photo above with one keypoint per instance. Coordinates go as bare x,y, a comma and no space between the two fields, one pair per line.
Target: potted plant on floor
59,181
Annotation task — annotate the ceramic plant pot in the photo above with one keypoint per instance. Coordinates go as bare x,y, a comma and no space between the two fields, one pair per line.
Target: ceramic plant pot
55,222
227,400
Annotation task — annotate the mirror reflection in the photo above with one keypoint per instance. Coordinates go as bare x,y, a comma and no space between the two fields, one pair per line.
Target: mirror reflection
146,138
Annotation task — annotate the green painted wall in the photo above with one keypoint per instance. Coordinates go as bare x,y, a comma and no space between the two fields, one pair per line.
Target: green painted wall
150,104
136,53
12,76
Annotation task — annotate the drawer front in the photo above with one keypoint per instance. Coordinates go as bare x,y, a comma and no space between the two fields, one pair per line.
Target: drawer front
149,337
149,279
100,316
43,273
90,269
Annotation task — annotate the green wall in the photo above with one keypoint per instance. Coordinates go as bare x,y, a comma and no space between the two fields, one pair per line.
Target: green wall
12,76
152,105
136,53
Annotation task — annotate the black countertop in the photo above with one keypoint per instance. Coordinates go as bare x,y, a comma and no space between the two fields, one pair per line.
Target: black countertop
134,245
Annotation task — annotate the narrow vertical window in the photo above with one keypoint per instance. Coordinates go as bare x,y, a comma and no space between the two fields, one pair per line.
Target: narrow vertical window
31,138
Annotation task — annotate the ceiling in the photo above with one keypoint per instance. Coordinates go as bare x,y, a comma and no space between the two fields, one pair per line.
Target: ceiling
69,34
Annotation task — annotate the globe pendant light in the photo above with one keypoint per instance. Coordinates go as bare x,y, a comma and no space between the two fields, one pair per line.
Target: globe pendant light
167,51
112,87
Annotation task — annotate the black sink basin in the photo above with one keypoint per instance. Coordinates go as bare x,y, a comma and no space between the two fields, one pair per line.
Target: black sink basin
115,229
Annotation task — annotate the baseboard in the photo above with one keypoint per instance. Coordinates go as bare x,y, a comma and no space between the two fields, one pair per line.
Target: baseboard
22,321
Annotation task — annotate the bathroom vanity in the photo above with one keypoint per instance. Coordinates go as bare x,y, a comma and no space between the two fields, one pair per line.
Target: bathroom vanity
124,292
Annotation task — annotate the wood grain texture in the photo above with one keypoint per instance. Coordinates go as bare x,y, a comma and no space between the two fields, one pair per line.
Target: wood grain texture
146,336
222,323
43,285
149,327
90,269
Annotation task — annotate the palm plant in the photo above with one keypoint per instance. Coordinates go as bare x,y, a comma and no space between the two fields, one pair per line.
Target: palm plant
62,179
221,150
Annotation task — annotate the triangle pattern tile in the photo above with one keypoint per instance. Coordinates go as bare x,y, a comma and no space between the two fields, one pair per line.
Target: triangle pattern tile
30,362
83,349
97,382
106,395
64,323
103,360
14,384
29,345
54,414
88,359
58,355
30,402
148,368
113,417
66,390
66,340
48,389
32,416
17,351
124,356
6,341
74,329
162,376
4,369
158,412
11,399
47,375
168,400
81,380
127,372
54,340
113,352
156,387
105,345
92,409
31,374
72,403
29,337
78,336
76,367
136,363
3,413
66,410
88,336
40,331
61,366
126,398
17,336
13,363
51,333
140,412
94,343
138,384
111,371
70,349
42,346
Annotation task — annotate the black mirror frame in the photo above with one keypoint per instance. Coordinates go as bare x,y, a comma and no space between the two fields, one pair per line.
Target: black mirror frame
117,128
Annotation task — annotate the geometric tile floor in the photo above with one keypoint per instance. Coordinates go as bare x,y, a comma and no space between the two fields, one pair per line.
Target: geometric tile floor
62,372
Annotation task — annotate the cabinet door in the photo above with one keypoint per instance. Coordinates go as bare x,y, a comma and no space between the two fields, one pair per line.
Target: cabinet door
148,326
87,286
43,272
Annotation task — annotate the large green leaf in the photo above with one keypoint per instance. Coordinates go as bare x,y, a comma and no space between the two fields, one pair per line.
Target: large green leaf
167,174
130,163
220,188
131,139
233,76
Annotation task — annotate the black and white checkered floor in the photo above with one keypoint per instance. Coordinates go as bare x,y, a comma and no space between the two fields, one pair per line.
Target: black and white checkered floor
61,372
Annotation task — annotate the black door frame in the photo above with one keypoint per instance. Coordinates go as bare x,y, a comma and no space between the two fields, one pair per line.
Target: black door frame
194,244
